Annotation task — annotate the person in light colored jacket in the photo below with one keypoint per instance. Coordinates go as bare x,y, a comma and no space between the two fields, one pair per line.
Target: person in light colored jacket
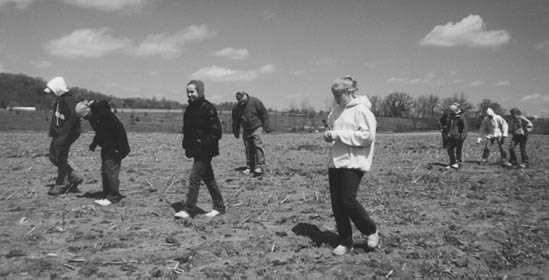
351,133
493,129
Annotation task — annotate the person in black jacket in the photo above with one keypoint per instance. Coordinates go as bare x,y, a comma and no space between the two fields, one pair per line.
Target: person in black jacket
111,136
456,125
201,134
250,114
64,130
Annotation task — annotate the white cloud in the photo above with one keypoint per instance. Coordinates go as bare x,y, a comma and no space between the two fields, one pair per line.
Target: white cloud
219,74
502,83
429,78
535,97
19,4
89,43
476,83
41,64
543,46
325,61
109,5
470,31
171,45
231,53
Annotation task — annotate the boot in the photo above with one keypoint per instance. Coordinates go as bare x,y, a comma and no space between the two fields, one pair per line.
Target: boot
57,190
73,181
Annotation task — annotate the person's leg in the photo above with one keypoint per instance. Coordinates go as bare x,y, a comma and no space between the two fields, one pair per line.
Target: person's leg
486,150
211,184
248,148
58,157
343,223
459,151
258,150
522,146
112,172
512,154
502,151
352,208
450,147
194,183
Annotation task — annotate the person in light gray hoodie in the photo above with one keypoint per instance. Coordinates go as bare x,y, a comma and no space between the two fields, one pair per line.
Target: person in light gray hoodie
351,132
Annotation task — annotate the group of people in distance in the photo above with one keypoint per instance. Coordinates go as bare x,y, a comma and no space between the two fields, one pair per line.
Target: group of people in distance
494,129
350,131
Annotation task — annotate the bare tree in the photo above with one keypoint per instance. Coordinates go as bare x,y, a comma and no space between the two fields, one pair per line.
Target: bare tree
425,106
397,104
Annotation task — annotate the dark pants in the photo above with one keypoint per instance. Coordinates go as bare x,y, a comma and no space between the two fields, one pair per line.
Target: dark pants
343,188
202,171
253,144
521,141
454,147
58,156
110,170
499,141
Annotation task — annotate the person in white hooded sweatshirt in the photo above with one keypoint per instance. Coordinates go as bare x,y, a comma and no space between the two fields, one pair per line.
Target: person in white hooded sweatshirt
493,129
351,132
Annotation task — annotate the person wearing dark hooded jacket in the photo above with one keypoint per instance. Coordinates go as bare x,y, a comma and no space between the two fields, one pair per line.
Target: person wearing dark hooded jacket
201,134
111,136
457,133
64,130
519,128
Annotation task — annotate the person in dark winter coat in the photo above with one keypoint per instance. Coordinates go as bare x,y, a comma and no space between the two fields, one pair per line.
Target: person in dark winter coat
443,124
201,134
64,130
250,115
519,128
111,136
456,133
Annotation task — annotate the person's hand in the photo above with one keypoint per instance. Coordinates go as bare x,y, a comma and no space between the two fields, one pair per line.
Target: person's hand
479,140
328,136
92,147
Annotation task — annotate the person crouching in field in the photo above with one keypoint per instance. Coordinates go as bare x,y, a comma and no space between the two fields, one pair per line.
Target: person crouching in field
520,127
351,131
493,129
201,134
110,135
64,130
456,133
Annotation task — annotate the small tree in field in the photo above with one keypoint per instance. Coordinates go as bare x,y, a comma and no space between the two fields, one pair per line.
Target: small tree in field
425,106
461,99
397,104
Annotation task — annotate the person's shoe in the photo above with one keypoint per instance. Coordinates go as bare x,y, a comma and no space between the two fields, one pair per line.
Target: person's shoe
258,172
373,240
73,186
341,250
454,166
506,164
57,190
212,213
182,214
246,171
103,202
523,165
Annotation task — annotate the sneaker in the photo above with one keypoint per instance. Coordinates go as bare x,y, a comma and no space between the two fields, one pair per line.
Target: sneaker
103,202
454,166
341,250
57,190
212,213
523,165
182,214
373,240
506,164
246,171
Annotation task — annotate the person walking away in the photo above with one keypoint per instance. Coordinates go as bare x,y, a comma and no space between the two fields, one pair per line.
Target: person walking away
250,114
111,136
493,129
520,127
457,133
64,130
351,133
201,135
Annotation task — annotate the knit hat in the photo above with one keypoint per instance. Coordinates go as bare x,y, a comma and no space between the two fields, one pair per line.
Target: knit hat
57,85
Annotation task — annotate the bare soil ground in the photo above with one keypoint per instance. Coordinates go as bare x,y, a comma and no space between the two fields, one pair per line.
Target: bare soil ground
481,222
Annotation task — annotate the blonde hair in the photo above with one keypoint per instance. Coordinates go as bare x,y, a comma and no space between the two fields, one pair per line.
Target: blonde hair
345,83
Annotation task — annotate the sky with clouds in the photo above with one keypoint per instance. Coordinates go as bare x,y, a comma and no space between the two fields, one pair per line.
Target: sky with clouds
285,52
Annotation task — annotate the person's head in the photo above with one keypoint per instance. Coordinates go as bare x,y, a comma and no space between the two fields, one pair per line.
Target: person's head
82,109
195,90
343,89
490,112
57,86
515,112
455,109
241,97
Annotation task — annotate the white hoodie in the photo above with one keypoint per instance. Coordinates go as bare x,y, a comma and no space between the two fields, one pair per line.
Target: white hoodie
58,86
353,128
493,125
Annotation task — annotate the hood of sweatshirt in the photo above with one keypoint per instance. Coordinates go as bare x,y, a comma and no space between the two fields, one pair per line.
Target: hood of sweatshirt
490,112
359,99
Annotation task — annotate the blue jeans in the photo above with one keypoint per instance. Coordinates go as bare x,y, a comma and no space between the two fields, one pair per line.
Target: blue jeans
253,143
202,171
110,171
521,141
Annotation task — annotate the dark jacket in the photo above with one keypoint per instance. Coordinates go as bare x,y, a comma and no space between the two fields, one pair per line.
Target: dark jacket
520,125
65,126
201,130
250,116
110,134
457,126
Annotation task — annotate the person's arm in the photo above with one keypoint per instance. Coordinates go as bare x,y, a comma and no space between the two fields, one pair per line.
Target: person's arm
70,125
214,125
263,116
121,137
364,133
529,125
504,127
